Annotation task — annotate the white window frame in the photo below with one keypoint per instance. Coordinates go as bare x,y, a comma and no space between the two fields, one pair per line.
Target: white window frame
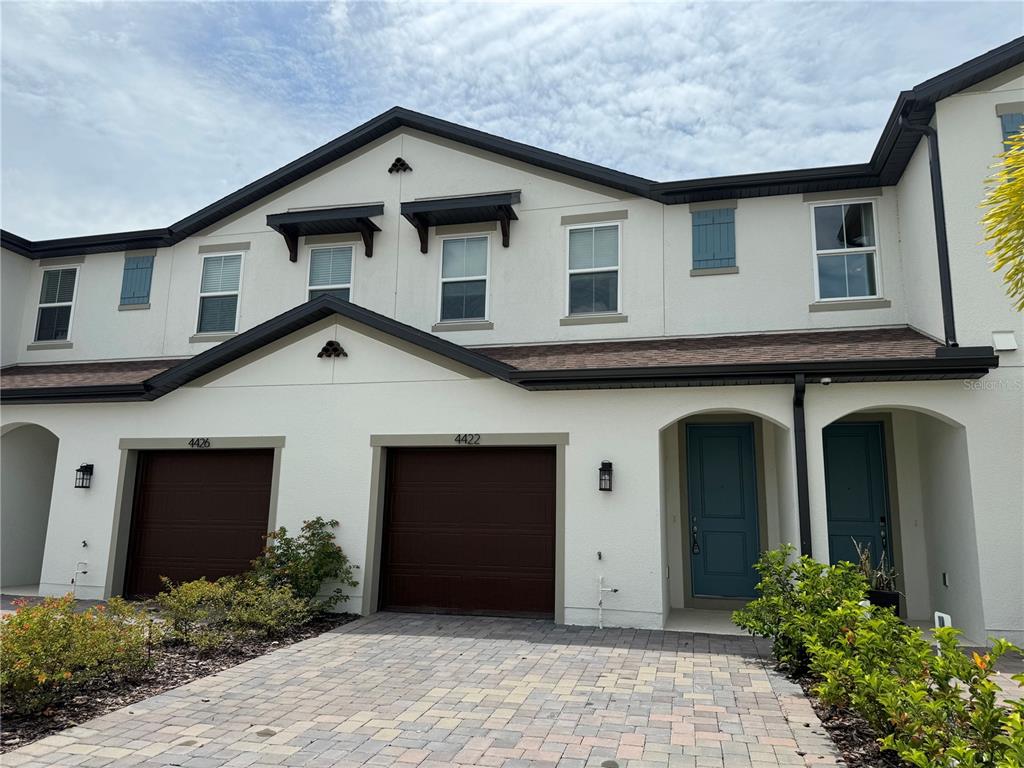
238,304
486,278
569,272
40,305
309,269
876,248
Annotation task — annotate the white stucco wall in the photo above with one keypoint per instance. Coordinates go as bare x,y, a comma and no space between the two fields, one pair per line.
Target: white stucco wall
28,454
527,281
15,271
328,409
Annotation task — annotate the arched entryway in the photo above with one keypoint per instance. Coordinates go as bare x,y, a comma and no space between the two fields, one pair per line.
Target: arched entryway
28,455
728,495
898,480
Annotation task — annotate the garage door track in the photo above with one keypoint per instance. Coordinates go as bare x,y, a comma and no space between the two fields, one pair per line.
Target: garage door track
402,689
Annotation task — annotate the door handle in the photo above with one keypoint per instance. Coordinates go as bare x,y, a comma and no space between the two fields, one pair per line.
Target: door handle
694,546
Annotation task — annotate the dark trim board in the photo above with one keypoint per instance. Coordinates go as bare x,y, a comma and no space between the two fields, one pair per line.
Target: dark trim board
888,161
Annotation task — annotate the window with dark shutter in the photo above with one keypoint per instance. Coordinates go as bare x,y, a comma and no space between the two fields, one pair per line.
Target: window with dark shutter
136,280
714,239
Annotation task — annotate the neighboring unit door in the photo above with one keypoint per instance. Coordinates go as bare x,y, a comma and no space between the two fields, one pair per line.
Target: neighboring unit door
721,483
469,530
856,491
197,514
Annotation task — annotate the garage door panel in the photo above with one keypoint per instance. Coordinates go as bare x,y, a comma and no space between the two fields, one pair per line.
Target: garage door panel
197,514
470,531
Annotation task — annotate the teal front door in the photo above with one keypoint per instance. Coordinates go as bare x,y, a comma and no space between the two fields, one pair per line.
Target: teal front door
721,484
856,491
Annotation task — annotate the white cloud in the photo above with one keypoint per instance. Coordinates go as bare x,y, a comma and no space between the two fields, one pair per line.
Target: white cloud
127,116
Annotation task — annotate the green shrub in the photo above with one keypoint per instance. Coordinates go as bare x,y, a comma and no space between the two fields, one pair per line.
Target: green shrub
935,709
48,648
209,614
264,610
306,563
793,592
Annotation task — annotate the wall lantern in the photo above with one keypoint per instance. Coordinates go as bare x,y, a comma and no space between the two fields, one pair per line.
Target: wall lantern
604,476
83,476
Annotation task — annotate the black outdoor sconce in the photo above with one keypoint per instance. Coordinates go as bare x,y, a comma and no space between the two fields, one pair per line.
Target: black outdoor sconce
83,476
604,476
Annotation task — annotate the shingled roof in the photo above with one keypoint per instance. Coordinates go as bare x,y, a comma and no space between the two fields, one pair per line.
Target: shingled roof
809,347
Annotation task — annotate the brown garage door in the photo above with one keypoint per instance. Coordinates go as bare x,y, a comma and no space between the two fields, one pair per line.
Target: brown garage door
197,513
470,530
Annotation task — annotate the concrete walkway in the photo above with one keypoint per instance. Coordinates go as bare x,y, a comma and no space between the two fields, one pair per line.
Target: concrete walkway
399,689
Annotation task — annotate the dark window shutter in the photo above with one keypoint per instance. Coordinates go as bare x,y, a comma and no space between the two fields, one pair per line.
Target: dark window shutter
135,283
714,238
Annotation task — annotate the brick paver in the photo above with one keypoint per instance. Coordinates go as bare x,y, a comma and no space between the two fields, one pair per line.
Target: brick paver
405,690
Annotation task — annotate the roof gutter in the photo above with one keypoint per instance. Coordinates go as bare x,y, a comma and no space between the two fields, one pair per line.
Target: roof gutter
941,238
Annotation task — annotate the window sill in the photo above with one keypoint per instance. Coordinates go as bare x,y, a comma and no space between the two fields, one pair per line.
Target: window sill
128,307
595,319
848,304
462,325
208,338
702,271
38,345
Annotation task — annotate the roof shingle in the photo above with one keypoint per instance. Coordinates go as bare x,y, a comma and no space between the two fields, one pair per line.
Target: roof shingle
118,372
809,346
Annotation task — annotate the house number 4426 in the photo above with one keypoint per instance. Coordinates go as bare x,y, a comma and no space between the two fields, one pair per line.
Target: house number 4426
199,442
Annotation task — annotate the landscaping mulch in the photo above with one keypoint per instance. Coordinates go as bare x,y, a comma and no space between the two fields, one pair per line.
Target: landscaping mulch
853,737
173,665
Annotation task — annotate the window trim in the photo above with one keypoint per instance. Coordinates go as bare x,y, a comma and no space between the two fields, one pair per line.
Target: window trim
39,305
238,293
442,279
593,270
876,249
309,269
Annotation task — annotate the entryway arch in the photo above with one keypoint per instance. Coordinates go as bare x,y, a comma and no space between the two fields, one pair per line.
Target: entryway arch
28,457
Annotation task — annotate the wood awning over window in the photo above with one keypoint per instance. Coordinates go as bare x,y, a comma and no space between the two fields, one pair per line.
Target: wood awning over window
472,209
326,221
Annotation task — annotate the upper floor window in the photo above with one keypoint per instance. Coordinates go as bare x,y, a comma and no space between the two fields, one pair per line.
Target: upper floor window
330,272
136,280
464,278
1012,124
845,250
218,293
714,239
594,269
56,302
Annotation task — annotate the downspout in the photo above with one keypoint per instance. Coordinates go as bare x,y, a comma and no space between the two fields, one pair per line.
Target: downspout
941,240
803,496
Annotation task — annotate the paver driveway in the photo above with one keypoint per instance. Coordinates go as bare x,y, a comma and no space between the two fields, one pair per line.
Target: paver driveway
400,689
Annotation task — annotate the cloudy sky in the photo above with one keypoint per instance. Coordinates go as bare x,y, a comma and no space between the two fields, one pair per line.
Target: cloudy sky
131,115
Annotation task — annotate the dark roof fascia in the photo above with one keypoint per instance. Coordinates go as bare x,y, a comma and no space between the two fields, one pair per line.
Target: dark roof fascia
824,179
97,393
302,316
971,72
961,366
81,246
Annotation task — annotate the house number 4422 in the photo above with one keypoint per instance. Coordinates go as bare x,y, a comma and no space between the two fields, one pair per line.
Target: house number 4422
199,442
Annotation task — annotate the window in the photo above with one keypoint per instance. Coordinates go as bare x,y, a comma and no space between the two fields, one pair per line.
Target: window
56,301
464,278
594,269
714,238
218,293
1012,124
135,282
330,272
845,250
